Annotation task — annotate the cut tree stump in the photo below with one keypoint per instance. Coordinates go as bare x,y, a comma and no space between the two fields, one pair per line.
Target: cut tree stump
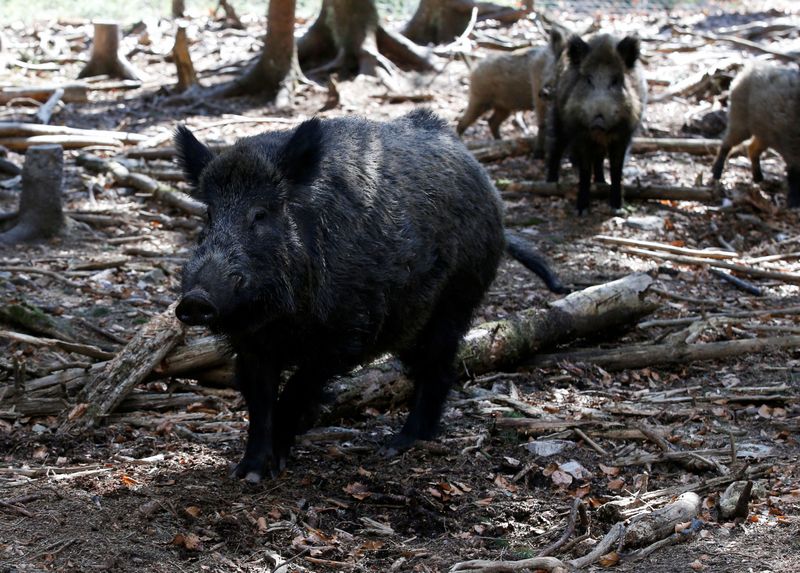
106,390
40,214
106,58
183,61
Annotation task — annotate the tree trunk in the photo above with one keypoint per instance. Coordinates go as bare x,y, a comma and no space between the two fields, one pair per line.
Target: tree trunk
178,8
183,61
438,21
347,37
276,72
40,212
106,57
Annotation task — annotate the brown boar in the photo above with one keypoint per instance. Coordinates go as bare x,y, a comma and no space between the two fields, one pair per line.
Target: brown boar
511,82
765,104
600,97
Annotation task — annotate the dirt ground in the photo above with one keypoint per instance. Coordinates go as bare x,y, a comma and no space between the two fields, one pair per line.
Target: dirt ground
149,490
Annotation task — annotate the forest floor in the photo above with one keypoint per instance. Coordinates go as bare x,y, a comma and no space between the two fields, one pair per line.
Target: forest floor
149,490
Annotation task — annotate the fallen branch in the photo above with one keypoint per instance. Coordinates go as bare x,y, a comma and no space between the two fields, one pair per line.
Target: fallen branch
641,356
793,278
708,253
72,93
160,191
84,349
487,347
19,136
641,192
132,365
500,149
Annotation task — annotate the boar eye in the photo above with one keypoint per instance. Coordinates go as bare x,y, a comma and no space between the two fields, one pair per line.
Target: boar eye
258,215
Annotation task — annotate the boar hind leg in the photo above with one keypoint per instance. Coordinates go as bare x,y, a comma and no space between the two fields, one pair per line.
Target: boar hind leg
474,111
499,115
793,177
430,363
732,137
541,131
258,383
616,160
297,410
754,151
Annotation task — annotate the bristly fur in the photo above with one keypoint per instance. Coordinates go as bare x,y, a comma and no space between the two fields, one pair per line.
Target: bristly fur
193,156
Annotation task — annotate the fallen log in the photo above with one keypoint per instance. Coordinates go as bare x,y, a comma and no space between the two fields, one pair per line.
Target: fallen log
708,253
19,136
104,392
642,355
793,278
73,93
160,191
659,192
487,347
661,523
500,149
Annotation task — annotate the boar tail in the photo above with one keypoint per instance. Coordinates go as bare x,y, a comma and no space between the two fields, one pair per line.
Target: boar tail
522,252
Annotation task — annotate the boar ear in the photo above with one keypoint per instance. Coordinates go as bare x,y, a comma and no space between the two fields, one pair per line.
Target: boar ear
299,158
556,41
628,48
193,156
576,49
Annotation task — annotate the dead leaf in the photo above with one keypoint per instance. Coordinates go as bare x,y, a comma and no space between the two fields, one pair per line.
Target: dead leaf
358,490
192,511
616,484
261,522
188,541
609,470
561,478
609,559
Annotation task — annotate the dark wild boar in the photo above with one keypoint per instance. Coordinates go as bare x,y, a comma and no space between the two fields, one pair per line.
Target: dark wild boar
599,100
543,74
331,244
765,104
511,82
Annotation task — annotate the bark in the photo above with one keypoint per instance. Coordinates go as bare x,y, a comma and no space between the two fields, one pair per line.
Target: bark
40,214
106,58
274,76
132,365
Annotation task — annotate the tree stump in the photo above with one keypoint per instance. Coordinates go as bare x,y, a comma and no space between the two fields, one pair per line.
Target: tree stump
40,214
438,21
106,58
183,61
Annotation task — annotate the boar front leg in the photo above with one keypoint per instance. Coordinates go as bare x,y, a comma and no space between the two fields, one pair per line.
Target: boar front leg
558,144
616,160
258,382
585,165
793,178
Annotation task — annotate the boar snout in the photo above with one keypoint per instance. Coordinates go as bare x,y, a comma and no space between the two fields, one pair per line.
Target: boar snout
196,309
598,123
